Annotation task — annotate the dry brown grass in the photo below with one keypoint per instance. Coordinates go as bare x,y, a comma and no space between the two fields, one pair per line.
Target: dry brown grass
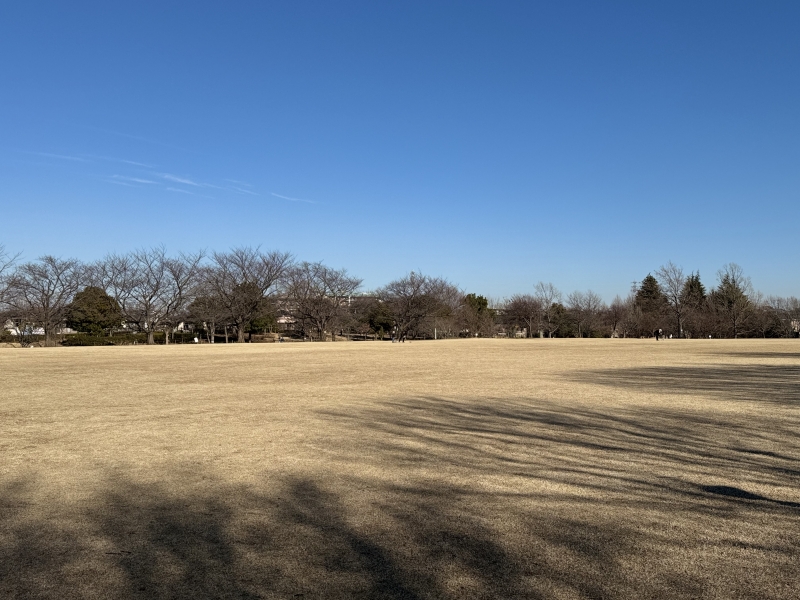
463,469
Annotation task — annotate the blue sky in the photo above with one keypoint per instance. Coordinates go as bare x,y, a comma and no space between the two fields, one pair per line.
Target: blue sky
495,143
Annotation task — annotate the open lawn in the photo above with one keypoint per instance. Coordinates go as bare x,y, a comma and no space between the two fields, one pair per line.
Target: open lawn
449,469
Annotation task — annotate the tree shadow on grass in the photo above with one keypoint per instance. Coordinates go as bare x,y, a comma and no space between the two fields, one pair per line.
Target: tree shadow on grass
304,541
145,541
759,383
609,468
481,498
747,354
738,493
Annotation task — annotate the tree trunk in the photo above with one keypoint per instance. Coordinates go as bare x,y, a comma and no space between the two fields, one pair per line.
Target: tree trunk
226,333
211,333
239,333
166,337
151,338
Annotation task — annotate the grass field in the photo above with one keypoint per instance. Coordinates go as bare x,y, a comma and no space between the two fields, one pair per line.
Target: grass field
450,469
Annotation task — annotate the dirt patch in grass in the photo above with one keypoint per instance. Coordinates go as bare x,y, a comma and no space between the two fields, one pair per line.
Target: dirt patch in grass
449,469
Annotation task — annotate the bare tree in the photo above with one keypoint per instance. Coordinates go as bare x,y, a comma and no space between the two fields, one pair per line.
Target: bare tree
632,318
150,287
672,280
616,315
764,317
245,280
549,295
318,294
6,264
415,298
787,313
586,307
524,310
207,309
39,293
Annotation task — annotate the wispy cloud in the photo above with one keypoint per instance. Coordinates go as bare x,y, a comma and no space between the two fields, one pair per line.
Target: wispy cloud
120,160
133,179
59,156
117,182
182,180
180,191
187,181
292,199
244,191
133,162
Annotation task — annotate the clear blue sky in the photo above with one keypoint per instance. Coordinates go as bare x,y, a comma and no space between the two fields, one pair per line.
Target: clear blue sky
494,143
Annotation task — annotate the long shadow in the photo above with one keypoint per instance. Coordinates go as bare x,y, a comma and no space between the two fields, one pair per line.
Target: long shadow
746,354
500,436
146,541
761,383
481,498
738,493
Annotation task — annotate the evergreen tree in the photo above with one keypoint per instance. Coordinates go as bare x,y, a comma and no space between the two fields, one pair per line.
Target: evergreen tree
652,302
93,311
694,292
694,296
731,299
476,317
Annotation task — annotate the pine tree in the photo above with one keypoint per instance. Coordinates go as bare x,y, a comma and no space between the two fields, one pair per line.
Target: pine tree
694,292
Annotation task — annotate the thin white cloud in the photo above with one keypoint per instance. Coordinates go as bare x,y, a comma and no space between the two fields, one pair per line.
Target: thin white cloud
116,182
134,163
59,156
182,180
237,182
244,191
292,199
186,181
133,179
120,160
180,191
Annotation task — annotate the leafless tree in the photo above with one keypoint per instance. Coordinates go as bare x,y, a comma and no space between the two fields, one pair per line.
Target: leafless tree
7,262
416,298
672,280
524,310
245,280
586,308
764,317
616,315
787,313
206,308
632,317
318,294
39,293
150,287
549,295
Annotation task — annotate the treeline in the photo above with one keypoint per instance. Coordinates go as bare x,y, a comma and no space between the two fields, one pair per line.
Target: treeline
670,301
233,295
